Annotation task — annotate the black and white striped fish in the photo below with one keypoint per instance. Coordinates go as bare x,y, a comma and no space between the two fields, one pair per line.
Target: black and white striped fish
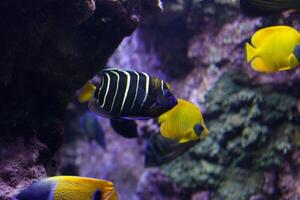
128,94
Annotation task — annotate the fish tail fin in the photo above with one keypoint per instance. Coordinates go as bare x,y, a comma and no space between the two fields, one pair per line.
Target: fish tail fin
267,7
86,92
250,52
160,150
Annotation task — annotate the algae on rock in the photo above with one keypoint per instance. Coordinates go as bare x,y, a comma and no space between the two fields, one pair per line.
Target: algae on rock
251,129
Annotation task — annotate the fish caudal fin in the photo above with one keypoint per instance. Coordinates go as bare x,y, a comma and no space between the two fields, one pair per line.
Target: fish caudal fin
160,150
250,52
86,92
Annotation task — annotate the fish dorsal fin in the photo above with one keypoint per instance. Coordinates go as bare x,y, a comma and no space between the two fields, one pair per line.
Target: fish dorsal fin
263,33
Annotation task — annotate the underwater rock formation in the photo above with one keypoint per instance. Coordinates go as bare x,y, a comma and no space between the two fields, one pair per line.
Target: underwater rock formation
154,185
251,129
288,177
49,49
21,163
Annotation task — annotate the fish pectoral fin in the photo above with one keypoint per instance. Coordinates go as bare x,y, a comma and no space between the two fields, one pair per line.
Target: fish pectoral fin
250,52
162,118
258,65
183,140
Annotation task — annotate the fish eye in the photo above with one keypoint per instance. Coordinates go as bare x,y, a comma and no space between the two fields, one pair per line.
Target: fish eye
297,52
167,93
97,195
198,128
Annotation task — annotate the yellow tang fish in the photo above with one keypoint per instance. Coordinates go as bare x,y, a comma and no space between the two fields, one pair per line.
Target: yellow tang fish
183,123
273,49
69,188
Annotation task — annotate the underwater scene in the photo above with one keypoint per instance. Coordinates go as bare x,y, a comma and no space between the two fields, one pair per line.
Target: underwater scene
150,100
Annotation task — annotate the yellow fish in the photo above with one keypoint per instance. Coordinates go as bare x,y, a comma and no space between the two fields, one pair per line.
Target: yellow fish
273,49
69,188
183,123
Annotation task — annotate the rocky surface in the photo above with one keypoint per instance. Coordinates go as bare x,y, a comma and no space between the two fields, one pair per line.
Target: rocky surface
49,49
21,163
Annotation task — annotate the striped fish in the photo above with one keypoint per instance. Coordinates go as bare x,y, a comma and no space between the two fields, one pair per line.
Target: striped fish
128,94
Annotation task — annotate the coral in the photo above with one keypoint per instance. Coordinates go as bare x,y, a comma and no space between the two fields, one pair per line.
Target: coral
20,165
251,129
288,176
154,185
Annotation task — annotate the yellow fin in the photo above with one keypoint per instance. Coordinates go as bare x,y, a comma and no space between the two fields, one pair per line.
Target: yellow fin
250,52
260,35
183,140
86,92
259,65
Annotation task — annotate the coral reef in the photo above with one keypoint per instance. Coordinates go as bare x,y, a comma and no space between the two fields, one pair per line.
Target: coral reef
21,163
288,182
251,129
154,185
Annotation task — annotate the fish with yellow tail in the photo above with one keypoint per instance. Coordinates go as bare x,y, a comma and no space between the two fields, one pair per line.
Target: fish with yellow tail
69,188
128,94
275,48
183,123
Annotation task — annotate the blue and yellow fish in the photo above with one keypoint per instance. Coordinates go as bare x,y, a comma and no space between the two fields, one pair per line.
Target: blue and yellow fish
268,7
180,128
183,123
69,188
273,49
128,94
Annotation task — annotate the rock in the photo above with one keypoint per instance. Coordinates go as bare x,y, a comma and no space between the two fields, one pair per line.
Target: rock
201,196
154,185
20,165
49,49
289,179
